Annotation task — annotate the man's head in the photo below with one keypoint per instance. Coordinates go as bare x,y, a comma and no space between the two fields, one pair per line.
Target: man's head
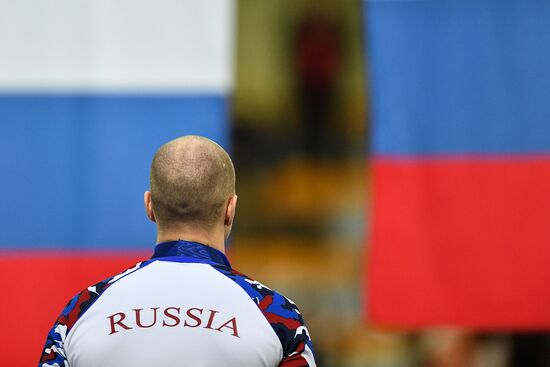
192,186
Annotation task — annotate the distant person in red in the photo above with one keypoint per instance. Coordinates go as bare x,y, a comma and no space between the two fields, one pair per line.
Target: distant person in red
317,62
185,306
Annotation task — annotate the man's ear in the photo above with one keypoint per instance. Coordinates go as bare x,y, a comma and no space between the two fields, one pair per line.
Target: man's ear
230,211
149,206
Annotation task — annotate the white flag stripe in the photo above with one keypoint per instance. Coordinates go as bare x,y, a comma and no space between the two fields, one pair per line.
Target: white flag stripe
122,45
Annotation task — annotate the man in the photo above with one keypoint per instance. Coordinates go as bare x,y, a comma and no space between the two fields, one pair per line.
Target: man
185,306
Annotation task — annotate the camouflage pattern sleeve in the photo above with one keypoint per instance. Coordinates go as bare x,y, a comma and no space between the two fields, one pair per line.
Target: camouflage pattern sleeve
54,353
283,316
289,325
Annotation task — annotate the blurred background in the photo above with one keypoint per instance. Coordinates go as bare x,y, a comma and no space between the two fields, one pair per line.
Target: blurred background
391,157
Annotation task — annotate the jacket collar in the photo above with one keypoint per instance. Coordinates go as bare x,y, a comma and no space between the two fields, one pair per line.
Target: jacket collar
194,251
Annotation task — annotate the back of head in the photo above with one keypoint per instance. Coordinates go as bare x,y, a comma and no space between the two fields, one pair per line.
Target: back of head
192,179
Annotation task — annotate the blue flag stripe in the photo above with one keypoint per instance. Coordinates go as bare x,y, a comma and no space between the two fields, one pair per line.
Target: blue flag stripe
455,77
74,167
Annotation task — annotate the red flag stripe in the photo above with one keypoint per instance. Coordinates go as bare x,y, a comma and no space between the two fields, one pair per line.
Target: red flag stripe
39,284
461,241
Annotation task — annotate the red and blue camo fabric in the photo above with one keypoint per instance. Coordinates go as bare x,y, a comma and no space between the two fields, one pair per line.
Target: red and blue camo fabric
283,316
53,354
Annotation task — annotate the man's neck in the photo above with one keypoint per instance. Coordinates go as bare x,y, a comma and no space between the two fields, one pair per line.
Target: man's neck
213,239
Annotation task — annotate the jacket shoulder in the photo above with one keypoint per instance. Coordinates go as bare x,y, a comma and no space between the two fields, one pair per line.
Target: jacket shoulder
282,314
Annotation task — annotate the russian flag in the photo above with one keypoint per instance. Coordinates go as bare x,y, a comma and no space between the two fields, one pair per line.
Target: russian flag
88,92
461,163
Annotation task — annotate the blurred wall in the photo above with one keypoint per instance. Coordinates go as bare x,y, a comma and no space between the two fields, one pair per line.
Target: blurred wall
299,125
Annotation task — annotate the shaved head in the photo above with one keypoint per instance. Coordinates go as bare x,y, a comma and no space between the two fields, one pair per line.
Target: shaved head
192,179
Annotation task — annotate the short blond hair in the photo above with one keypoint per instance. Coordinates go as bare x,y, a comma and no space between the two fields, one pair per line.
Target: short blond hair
192,179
